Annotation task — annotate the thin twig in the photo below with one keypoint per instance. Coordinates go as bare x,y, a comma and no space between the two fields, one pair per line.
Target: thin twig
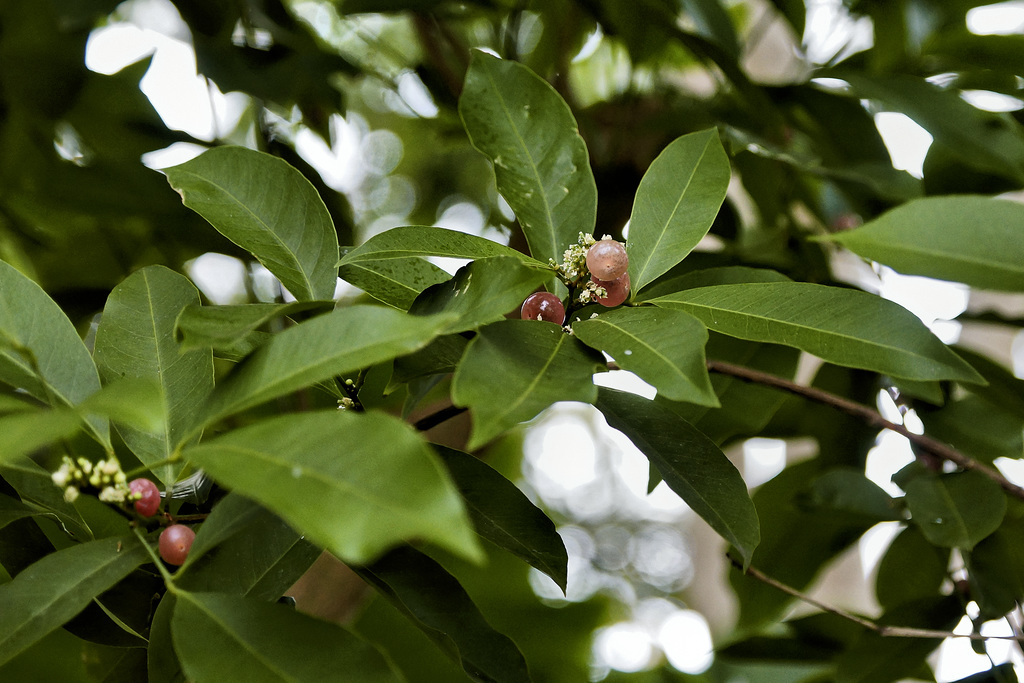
434,419
881,629
870,416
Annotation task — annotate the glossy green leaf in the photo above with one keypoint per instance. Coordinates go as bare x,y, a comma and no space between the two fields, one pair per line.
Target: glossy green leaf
25,432
435,601
842,326
11,510
995,570
1004,389
690,463
225,637
523,126
956,510
226,326
244,549
40,350
665,347
59,586
675,205
135,340
541,364
162,662
395,282
370,470
268,208
344,341
504,515
847,490
975,426
481,292
974,240
414,240
912,568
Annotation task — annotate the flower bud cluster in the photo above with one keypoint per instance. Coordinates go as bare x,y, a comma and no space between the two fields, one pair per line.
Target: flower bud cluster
574,260
592,291
105,476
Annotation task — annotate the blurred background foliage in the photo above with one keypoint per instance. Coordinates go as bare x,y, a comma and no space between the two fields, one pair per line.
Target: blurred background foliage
360,95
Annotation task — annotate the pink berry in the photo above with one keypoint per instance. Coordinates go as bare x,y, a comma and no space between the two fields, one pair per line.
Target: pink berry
607,260
148,501
175,542
543,306
616,290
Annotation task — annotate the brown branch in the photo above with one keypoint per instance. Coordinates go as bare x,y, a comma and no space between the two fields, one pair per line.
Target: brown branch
881,629
434,419
933,446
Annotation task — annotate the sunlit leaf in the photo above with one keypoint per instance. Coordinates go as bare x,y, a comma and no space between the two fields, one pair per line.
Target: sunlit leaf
370,470
40,350
409,241
265,206
541,364
523,126
975,240
226,326
664,347
842,326
135,340
225,637
395,282
677,201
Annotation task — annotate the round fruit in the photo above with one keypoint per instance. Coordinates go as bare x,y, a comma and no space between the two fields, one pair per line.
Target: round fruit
175,542
616,290
607,260
543,306
148,501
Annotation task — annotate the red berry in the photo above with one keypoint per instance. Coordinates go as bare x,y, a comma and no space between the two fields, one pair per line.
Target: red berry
543,306
148,501
175,542
616,290
607,260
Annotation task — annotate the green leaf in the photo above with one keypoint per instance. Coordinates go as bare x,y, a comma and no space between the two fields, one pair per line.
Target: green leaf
504,516
162,661
1003,389
675,205
135,340
224,327
842,326
414,240
540,365
225,637
244,549
956,510
974,240
847,490
911,569
35,487
336,344
395,282
25,432
996,571
664,347
11,510
973,425
40,350
370,470
268,208
690,463
433,599
59,586
713,23
519,122
481,292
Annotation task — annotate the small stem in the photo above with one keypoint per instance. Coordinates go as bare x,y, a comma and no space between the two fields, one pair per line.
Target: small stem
880,629
870,416
168,579
138,471
434,419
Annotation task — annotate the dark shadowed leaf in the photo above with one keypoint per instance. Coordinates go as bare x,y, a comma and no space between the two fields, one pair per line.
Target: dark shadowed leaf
911,568
523,126
227,326
395,282
370,470
503,515
955,510
541,364
690,463
225,637
59,586
268,208
433,599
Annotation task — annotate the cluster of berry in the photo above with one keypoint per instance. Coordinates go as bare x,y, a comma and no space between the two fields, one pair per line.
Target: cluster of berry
607,263
176,540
